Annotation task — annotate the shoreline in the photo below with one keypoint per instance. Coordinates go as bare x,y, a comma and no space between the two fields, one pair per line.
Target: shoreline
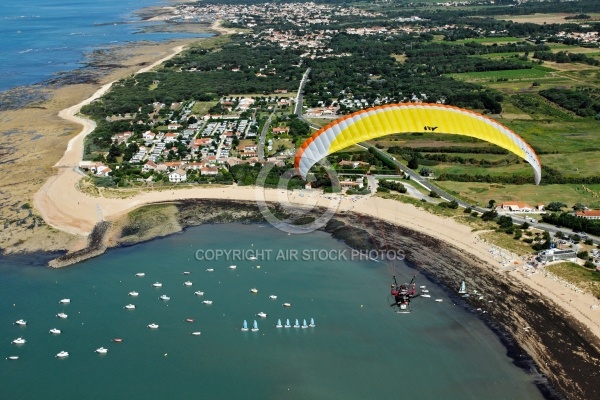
67,209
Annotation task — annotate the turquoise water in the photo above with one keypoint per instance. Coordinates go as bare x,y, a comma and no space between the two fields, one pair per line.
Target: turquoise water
358,350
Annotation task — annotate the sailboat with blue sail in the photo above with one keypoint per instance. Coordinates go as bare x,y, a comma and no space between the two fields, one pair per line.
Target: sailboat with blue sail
312,323
278,324
304,324
287,323
245,326
297,324
255,326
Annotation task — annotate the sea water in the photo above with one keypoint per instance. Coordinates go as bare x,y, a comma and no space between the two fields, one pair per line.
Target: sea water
40,38
359,349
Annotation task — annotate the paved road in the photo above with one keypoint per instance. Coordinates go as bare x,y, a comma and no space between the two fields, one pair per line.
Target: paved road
299,99
263,136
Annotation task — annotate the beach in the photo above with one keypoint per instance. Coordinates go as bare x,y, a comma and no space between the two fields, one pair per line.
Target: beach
52,185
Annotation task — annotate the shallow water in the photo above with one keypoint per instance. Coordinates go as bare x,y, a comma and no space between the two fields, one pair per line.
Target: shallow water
39,38
359,348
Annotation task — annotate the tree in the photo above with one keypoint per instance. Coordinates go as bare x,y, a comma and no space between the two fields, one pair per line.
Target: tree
555,206
583,255
433,194
491,203
578,207
413,163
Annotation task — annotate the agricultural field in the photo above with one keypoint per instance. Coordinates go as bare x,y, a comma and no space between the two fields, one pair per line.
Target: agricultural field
481,193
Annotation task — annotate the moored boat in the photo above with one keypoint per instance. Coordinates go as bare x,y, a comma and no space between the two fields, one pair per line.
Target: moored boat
287,324
157,284
55,331
439,300
164,297
62,354
133,294
245,326
304,324
262,314
189,320
254,290
312,323
187,273
153,326
296,324
140,274
19,341
207,302
62,315
187,283
65,301
279,325
101,350
255,326
195,333
117,340
272,297
12,358
130,307
21,322
232,266
425,295
210,270
287,304
199,293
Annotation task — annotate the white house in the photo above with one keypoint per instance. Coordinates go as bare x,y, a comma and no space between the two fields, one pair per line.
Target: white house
178,175
520,207
588,214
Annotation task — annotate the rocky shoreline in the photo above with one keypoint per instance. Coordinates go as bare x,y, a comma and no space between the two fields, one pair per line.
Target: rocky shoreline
542,339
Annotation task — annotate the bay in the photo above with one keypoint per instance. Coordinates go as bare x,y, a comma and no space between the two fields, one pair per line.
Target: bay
359,348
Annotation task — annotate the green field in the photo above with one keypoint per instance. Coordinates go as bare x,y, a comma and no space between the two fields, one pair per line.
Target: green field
579,276
511,74
481,193
492,40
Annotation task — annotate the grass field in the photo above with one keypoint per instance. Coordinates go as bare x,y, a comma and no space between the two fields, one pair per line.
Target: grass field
201,107
481,193
579,276
507,242
513,169
492,40
511,74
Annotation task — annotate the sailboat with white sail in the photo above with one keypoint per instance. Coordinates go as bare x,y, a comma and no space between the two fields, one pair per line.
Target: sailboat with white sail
463,288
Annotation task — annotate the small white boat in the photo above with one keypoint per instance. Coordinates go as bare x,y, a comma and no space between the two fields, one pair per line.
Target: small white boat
157,284
422,287
232,266
21,322
258,267
12,358
287,304
133,294
140,274
189,320
164,297
424,291
312,323
255,326
65,301
439,300
130,307
210,270
199,293
425,295
296,324
245,326
19,341
254,290
196,333
187,273
251,258
207,301
304,324
279,325
287,324
101,350
153,326
272,297
63,354
262,314
55,331
62,315
187,283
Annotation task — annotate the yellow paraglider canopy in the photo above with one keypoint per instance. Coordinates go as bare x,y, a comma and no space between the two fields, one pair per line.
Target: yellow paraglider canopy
407,118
